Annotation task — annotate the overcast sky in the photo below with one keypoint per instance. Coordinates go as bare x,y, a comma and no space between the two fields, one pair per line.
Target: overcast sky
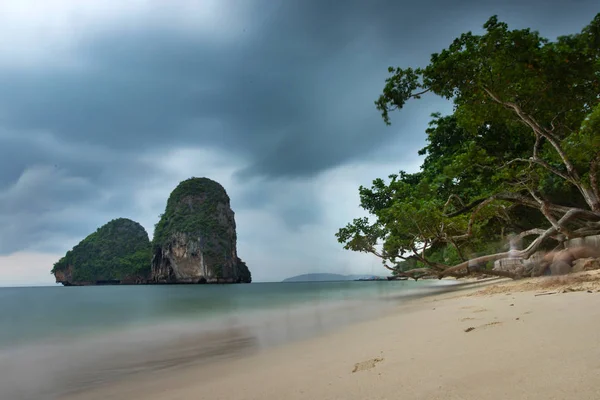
105,106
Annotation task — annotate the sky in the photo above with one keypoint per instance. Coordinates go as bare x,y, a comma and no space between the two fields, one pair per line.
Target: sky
105,106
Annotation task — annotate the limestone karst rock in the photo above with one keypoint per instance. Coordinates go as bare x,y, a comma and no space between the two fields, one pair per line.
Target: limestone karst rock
195,240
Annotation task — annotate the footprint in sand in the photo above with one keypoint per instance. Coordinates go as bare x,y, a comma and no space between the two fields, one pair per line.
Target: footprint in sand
365,365
471,328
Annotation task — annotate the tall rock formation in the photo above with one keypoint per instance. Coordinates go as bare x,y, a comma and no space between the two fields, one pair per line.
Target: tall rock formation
119,252
195,239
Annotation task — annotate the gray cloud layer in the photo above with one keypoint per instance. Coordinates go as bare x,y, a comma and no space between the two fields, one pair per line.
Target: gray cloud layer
289,98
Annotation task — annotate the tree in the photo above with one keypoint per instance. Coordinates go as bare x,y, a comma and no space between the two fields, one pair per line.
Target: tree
519,155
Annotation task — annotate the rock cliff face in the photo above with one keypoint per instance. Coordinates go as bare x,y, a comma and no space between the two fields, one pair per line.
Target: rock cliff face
119,252
195,239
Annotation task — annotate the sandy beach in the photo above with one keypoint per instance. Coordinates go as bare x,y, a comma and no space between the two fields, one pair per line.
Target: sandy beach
531,339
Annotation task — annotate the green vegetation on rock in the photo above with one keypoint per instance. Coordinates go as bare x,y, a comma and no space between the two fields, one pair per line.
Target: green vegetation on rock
192,209
194,242
118,251
515,166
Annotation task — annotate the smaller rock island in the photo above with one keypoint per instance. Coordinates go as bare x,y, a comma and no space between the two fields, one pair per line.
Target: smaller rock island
117,253
195,241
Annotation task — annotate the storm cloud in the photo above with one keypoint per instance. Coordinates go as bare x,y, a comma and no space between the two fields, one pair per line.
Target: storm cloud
104,108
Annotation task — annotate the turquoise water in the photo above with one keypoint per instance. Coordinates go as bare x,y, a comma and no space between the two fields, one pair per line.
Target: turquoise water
42,313
73,338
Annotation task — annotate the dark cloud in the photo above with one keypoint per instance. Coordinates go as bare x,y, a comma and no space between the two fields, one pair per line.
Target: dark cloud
52,191
289,200
292,96
283,92
285,97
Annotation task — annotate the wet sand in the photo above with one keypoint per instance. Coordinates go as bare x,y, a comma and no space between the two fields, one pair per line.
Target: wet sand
526,340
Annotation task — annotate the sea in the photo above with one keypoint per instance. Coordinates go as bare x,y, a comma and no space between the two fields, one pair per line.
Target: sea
55,341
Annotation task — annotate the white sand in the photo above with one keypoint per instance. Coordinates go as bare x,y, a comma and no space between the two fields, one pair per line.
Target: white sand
523,347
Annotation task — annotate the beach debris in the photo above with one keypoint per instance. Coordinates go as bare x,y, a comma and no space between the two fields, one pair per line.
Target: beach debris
544,294
469,329
512,305
576,289
492,323
585,264
365,365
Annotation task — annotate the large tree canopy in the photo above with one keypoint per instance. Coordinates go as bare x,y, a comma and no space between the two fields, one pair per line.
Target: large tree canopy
517,159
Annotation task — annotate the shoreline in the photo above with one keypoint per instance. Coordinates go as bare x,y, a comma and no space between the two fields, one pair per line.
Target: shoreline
90,356
473,342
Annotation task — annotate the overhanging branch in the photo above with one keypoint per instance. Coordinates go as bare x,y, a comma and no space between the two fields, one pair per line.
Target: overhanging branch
526,253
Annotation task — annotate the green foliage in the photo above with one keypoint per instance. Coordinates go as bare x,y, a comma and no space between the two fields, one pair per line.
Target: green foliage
116,251
583,145
503,83
555,81
360,235
192,209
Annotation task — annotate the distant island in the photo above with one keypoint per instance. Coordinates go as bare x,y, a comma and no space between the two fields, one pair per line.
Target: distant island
194,242
325,277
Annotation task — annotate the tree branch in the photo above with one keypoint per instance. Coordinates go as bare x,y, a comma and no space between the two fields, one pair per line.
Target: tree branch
458,250
534,125
476,261
453,196
594,166
519,199
417,273
526,253
472,219
590,196
419,94
465,209
545,165
424,260
535,231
